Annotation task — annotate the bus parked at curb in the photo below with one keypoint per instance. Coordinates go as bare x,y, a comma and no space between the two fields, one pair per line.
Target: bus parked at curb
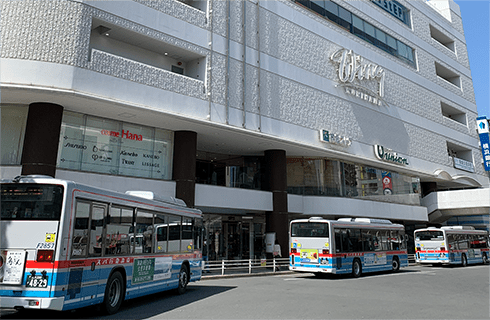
346,245
461,245
66,245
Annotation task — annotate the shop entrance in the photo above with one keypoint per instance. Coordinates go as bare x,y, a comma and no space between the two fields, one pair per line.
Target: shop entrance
233,237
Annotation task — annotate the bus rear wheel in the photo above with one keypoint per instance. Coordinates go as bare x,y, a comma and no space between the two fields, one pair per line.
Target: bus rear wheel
183,279
356,268
114,293
464,261
395,264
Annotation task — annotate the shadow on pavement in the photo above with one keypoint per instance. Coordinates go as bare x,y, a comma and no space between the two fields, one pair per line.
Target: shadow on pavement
138,308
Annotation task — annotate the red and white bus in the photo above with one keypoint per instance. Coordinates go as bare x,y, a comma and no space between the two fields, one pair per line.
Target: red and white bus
65,245
346,245
451,245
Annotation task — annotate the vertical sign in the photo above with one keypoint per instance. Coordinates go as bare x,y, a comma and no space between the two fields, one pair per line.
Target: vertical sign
483,131
387,183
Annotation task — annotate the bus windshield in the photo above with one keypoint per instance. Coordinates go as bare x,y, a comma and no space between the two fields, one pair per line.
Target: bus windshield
429,235
309,229
31,201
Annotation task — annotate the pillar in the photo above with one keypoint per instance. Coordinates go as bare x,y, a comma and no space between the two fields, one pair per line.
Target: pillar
276,182
41,139
184,166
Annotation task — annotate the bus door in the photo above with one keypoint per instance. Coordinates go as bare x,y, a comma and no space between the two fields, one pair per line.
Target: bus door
342,247
87,243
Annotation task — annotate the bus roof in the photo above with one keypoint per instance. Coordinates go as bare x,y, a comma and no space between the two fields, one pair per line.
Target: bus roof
360,222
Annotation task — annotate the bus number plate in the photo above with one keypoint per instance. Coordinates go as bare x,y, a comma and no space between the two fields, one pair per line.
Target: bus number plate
36,282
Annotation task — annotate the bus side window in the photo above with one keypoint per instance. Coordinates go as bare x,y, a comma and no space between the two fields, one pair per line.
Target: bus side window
198,234
119,225
161,229
338,240
463,241
144,232
174,234
187,244
453,245
385,240
96,228
80,230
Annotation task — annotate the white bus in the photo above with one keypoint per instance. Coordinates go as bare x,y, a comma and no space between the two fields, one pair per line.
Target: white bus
65,245
451,245
346,245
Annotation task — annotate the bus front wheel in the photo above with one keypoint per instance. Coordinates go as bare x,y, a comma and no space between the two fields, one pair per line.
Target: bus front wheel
464,261
183,279
114,293
356,268
395,264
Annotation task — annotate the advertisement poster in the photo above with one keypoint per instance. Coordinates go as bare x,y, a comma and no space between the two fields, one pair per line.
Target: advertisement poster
150,269
309,255
371,259
387,183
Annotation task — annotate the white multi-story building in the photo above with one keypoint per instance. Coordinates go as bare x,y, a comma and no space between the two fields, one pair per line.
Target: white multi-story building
254,111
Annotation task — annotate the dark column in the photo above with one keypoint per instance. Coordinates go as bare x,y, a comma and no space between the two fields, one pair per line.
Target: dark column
42,139
428,187
184,166
276,181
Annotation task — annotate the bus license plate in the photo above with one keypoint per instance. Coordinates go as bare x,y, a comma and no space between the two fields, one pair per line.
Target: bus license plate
36,282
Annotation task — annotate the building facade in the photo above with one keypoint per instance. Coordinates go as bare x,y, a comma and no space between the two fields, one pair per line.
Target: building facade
255,112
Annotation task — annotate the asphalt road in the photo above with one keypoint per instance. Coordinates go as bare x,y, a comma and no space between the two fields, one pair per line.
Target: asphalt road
416,292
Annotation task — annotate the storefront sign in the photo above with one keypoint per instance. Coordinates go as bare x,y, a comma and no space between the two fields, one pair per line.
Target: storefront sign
394,8
464,165
388,155
352,70
482,125
335,138
115,148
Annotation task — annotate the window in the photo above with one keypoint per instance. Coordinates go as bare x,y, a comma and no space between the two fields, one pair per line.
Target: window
453,113
448,75
81,230
88,230
429,235
97,243
31,202
364,30
441,38
345,18
174,233
95,144
119,227
318,7
143,234
13,124
309,230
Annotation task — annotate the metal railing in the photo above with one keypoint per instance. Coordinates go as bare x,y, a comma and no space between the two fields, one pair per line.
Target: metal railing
250,266
253,266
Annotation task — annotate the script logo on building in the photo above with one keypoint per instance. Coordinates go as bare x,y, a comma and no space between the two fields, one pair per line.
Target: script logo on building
388,155
362,80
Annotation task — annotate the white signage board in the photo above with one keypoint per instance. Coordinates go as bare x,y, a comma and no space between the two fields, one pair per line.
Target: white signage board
13,267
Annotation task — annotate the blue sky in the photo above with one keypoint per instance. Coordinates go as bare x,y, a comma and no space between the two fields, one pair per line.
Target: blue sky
476,26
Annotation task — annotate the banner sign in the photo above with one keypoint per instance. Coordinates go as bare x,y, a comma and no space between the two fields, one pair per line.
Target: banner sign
483,131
